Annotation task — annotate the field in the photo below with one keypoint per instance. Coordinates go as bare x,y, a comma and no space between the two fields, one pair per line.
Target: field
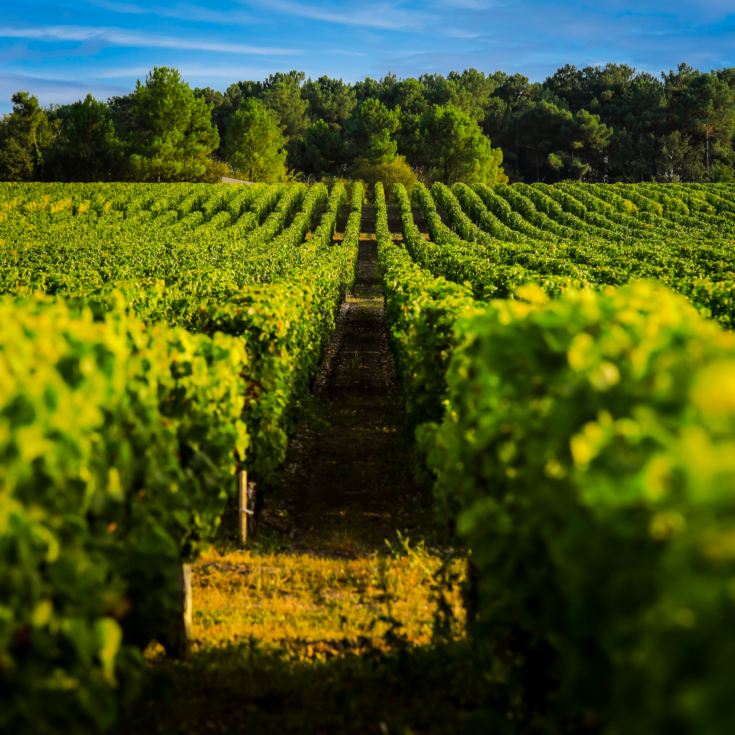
491,430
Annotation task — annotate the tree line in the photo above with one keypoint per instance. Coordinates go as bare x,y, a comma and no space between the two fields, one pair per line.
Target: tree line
608,123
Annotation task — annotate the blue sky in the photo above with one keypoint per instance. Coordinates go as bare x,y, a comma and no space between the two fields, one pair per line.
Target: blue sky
63,49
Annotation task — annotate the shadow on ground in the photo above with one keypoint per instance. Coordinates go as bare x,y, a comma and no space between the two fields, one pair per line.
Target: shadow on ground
250,689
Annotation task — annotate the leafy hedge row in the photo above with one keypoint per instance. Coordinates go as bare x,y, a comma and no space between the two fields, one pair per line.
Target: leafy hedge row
691,254
119,439
421,311
285,326
492,270
586,454
473,204
118,444
445,198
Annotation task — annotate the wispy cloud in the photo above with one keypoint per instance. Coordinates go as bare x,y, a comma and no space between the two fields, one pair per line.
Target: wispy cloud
386,16
217,42
125,8
346,52
462,34
121,37
469,4
180,11
198,72
54,89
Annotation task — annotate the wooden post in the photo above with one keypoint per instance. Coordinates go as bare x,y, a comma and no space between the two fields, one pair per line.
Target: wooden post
177,643
246,494
186,602
242,505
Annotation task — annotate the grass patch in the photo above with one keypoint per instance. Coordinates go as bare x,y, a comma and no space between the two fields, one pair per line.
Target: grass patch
293,642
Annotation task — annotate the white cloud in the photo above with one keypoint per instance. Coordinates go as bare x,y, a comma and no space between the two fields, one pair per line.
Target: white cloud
469,4
121,37
126,8
386,16
462,34
180,11
344,52
231,73
53,89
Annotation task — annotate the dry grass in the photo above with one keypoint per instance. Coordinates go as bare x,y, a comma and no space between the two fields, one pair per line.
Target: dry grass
290,642
314,607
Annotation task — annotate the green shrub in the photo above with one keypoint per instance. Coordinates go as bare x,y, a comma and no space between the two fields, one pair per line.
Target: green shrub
389,173
118,444
588,451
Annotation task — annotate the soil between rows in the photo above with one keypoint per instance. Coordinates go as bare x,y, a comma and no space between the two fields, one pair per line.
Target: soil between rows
349,476
343,616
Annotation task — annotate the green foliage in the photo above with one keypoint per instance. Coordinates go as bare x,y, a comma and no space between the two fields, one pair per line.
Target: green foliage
282,94
118,443
178,266
603,123
167,130
254,145
24,135
705,105
560,144
574,234
322,151
86,146
285,326
467,254
421,311
590,439
454,148
372,128
388,173
330,100
558,430
119,435
473,91
581,439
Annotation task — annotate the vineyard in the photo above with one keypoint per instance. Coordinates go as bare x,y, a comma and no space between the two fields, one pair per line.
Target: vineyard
564,386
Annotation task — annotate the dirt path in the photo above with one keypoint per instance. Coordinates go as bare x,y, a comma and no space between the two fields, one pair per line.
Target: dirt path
230,180
322,626
349,474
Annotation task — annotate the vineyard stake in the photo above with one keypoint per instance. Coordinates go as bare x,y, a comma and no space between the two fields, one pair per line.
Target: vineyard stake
182,638
245,505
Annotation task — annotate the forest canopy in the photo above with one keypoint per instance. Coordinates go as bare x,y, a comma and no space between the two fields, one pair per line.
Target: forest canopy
608,123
